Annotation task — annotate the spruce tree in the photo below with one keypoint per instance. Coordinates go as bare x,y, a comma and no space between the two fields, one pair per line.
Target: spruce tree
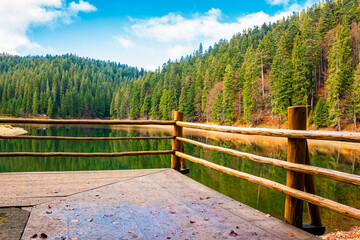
228,95
35,104
280,77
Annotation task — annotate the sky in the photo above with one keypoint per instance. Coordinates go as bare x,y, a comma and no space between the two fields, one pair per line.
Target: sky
145,34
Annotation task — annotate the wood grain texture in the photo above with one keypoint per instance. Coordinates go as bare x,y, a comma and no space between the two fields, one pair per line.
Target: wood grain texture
83,138
87,122
316,135
317,200
317,171
68,154
177,145
296,153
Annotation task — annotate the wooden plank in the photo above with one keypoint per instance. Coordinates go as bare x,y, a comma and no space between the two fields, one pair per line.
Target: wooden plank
153,206
320,201
296,153
83,138
316,135
68,154
85,122
317,171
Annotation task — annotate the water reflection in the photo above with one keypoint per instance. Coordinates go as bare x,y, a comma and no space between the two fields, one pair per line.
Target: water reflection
339,156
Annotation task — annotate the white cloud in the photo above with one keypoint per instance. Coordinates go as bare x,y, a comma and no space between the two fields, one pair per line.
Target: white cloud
278,2
82,7
125,43
18,16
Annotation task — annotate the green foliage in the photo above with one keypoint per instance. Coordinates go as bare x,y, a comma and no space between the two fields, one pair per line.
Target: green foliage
228,95
320,117
216,109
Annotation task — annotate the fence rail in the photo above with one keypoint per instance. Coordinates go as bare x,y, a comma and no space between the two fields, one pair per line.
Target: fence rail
299,184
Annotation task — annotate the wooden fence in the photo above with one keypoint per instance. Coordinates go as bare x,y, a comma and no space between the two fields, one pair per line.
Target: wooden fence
299,183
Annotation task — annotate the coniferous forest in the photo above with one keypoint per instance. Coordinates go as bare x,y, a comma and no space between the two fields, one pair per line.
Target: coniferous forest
309,58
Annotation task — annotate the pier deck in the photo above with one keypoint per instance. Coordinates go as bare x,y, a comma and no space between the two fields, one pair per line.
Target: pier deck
127,204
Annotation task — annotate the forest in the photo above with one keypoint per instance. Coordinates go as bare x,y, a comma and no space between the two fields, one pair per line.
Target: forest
309,58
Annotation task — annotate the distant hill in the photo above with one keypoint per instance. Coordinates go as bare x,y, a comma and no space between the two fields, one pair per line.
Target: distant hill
309,58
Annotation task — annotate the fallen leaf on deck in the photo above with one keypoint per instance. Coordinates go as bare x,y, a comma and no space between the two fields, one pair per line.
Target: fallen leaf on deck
76,214
155,235
192,221
116,223
172,212
132,210
201,198
252,233
43,236
147,229
237,227
221,203
291,234
74,220
34,236
55,192
63,199
232,233
49,206
206,219
168,237
73,238
70,209
131,231
207,197
49,212
57,218
79,233
267,215
90,219
202,210
108,215
67,205
181,231
155,212
221,221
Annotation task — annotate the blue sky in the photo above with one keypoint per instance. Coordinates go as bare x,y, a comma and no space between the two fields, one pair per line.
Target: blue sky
138,33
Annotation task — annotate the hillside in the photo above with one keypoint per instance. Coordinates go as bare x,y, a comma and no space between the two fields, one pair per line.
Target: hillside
310,58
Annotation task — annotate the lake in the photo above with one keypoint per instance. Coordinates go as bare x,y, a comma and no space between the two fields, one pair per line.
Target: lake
343,157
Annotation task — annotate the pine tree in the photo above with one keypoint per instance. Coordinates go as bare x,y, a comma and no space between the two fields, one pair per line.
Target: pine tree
340,71
250,92
49,111
216,109
280,77
35,104
300,64
228,95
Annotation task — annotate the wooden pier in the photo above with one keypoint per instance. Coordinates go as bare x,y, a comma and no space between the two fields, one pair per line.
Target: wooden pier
129,204
163,203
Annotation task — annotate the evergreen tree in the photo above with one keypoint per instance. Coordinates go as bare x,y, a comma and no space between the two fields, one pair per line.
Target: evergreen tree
49,111
280,77
228,95
216,109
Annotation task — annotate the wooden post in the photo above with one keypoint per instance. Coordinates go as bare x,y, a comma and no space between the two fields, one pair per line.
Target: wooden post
176,144
296,153
314,211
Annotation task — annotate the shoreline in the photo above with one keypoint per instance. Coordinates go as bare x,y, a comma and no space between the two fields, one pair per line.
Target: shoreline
8,130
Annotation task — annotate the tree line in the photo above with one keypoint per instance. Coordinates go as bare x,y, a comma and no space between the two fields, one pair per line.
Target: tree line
309,58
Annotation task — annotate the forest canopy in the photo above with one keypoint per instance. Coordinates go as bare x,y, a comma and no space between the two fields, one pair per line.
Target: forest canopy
309,58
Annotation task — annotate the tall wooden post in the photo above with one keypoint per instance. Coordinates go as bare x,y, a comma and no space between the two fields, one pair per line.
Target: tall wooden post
296,153
176,144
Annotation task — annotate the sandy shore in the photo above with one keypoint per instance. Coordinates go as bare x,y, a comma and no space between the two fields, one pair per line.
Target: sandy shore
8,130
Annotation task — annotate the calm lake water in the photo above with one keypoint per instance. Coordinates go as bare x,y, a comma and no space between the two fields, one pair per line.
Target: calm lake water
338,156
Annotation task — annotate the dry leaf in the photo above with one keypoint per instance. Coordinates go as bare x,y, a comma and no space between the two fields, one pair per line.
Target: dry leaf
155,235
34,236
192,221
116,223
252,233
155,212
76,214
202,210
206,219
74,220
172,212
43,236
73,238
267,215
90,219
201,198
232,233
207,197
131,231
168,237
291,234
79,233
132,210
63,199
49,212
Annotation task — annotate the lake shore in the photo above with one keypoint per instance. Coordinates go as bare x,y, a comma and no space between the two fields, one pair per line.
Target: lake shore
8,130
